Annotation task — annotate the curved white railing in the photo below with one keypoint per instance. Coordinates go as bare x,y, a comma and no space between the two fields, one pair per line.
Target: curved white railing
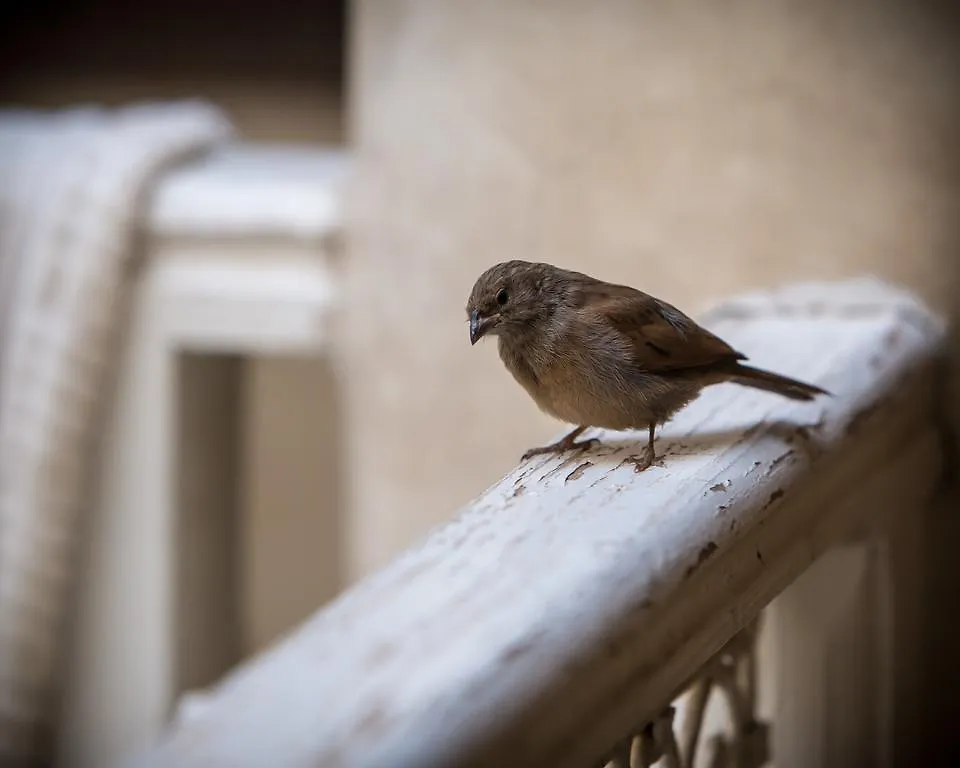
554,620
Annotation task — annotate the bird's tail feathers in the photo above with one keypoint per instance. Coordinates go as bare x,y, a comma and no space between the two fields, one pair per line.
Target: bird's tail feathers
773,382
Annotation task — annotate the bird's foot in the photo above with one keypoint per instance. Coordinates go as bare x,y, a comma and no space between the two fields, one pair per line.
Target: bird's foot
640,463
560,447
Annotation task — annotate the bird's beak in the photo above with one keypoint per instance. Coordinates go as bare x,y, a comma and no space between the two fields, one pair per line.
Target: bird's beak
478,326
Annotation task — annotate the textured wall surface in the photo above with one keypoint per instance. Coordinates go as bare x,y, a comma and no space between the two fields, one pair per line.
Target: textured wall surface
692,150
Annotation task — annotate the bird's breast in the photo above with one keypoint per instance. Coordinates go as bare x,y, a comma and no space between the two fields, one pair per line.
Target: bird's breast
593,382
574,383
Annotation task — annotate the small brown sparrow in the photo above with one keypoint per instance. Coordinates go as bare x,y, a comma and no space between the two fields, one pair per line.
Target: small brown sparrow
597,354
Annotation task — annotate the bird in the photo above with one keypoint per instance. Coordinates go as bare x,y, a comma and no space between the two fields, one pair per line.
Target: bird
598,354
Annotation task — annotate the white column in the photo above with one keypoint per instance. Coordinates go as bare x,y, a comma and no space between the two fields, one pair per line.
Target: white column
236,268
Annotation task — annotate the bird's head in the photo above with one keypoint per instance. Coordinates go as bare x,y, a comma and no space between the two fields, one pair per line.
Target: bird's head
510,299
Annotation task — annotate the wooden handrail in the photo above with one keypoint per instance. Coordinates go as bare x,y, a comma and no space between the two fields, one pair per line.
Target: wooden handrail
568,604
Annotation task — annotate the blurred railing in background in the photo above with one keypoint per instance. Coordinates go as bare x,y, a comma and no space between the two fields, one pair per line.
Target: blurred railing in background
238,248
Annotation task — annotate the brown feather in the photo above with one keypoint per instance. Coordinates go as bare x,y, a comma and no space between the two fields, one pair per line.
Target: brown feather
661,336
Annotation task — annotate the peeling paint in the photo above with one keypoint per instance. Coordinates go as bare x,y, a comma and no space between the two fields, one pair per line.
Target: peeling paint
777,494
559,468
708,549
578,472
780,459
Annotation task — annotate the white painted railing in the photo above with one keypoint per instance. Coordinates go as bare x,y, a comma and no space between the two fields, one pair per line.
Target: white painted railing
237,250
552,622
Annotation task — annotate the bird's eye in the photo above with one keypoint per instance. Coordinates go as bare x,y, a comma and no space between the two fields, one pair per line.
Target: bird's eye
502,296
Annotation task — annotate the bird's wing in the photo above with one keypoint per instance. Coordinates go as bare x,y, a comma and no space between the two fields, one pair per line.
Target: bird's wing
661,336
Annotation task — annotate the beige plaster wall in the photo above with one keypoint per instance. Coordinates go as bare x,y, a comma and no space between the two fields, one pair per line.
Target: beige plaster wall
693,149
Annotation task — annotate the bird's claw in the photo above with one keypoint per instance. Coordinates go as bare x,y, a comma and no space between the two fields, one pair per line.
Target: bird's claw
640,463
560,446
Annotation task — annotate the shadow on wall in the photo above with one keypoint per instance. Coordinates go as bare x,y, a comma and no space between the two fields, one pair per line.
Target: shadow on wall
277,70
941,632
